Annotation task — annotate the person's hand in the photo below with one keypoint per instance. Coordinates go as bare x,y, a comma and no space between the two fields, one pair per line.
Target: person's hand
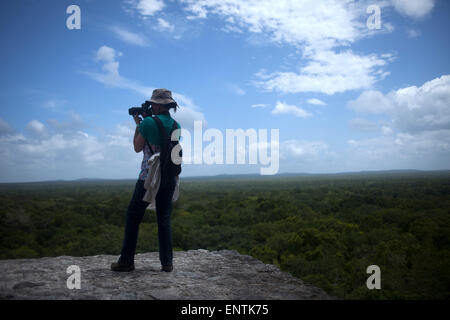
137,119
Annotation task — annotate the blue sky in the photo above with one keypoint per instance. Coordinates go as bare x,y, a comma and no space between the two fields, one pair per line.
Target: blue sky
344,97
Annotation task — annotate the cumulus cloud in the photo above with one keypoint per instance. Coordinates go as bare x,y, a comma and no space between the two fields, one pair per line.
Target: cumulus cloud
329,72
370,101
419,133
320,24
414,8
74,124
386,130
283,108
302,149
60,155
147,7
236,89
308,156
294,22
188,112
5,128
316,102
43,154
318,28
107,56
130,37
164,25
421,150
411,108
413,33
363,125
295,154
110,77
36,128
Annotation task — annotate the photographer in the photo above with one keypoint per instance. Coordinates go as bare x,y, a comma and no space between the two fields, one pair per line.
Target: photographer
148,138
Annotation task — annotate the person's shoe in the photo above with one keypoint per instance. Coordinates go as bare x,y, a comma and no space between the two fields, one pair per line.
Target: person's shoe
167,268
121,267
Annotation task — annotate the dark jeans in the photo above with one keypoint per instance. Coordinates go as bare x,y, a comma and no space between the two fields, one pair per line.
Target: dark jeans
135,213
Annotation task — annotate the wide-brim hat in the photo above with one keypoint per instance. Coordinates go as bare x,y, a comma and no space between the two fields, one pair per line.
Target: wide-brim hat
162,96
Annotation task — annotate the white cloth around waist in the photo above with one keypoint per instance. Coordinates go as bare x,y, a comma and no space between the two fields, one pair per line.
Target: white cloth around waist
153,181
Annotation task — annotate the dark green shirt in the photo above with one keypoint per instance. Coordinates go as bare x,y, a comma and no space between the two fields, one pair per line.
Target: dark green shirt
149,129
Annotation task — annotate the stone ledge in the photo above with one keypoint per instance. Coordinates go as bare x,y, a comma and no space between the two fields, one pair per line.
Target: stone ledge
198,275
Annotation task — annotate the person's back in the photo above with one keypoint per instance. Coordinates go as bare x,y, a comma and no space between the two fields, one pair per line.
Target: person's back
148,138
149,129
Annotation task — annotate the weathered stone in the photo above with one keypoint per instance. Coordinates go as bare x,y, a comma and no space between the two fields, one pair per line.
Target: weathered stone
198,275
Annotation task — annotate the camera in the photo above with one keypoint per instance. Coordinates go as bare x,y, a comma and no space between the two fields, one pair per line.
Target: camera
144,110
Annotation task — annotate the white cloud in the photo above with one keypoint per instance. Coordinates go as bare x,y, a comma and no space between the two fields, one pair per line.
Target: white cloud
413,8
186,117
164,25
298,155
301,149
317,27
413,33
411,108
418,135
36,128
283,108
370,101
130,37
259,105
388,27
70,127
236,89
329,72
68,155
106,54
316,102
110,77
5,128
55,104
321,23
148,7
188,112
386,130
363,125
421,150
231,28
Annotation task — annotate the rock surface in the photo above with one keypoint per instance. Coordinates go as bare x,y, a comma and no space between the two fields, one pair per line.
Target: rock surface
197,275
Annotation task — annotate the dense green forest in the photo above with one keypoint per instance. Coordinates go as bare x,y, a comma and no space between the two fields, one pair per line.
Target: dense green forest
324,229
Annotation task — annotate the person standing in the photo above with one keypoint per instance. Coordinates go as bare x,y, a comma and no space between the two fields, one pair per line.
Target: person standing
148,138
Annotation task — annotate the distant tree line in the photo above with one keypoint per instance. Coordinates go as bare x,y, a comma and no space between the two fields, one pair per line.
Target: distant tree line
324,229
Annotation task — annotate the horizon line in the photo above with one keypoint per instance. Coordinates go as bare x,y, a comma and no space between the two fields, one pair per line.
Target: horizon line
240,174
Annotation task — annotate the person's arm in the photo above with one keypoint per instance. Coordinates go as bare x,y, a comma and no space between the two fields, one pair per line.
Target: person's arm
138,140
